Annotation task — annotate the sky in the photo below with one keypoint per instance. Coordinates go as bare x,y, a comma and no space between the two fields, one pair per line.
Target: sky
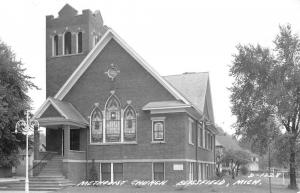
173,36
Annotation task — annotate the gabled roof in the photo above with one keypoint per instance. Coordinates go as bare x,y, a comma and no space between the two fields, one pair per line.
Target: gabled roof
110,34
227,141
65,109
194,87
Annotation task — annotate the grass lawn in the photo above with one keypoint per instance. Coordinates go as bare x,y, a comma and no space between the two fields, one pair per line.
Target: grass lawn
242,188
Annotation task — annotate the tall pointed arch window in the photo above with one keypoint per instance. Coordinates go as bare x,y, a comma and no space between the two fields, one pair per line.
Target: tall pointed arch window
96,126
79,42
129,124
68,43
113,120
55,46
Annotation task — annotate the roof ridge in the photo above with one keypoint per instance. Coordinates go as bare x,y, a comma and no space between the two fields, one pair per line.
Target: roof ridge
186,73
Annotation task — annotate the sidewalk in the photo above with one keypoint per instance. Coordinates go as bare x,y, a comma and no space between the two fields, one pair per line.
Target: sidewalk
12,179
3,181
6,191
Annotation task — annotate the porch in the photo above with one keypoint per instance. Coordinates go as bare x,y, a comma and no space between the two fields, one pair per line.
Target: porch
66,135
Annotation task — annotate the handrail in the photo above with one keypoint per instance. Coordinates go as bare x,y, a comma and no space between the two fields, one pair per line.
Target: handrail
44,158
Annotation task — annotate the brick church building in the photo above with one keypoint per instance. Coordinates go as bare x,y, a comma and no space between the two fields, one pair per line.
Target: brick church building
105,105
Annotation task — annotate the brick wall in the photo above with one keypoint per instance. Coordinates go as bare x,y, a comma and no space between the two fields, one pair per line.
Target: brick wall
59,68
137,85
76,171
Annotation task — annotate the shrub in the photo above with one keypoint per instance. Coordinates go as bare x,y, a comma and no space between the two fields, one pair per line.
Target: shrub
244,170
93,172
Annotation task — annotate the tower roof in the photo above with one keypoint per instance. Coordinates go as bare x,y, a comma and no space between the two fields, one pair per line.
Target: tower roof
67,10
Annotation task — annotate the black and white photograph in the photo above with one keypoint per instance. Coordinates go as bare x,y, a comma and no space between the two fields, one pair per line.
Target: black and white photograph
142,96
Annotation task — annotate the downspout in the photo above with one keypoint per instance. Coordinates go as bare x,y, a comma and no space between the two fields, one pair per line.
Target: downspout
214,153
86,154
197,169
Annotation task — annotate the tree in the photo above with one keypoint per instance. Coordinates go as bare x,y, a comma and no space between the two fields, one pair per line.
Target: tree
14,101
281,152
219,159
267,87
236,159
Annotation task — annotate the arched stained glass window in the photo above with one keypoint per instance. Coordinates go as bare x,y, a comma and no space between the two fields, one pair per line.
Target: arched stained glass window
96,126
129,124
113,120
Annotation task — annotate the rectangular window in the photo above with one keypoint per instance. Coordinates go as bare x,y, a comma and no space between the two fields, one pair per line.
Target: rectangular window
200,133
111,171
209,140
106,172
118,171
204,171
191,131
158,171
212,142
191,171
75,139
158,129
206,140
203,136
207,171
200,171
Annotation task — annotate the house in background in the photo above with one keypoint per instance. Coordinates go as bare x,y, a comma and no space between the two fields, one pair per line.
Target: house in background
225,141
105,103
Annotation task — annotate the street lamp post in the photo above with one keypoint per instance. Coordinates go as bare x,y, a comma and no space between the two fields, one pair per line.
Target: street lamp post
26,126
270,183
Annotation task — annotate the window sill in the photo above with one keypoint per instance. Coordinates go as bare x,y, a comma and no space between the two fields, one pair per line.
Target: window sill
115,143
205,149
59,56
76,151
158,142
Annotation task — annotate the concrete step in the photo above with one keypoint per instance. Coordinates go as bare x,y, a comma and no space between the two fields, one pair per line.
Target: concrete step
53,167
48,177
50,174
43,185
32,189
51,171
46,182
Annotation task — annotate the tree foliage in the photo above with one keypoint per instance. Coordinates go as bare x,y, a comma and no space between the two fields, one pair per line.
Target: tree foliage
282,151
219,161
14,100
266,93
236,159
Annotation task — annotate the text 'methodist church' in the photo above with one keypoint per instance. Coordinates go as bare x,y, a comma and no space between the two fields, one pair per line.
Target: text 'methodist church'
105,105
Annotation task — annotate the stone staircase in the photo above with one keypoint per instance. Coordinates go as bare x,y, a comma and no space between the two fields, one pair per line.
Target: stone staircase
49,179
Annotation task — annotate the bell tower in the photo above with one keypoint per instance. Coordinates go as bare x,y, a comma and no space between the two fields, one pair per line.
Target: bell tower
69,38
